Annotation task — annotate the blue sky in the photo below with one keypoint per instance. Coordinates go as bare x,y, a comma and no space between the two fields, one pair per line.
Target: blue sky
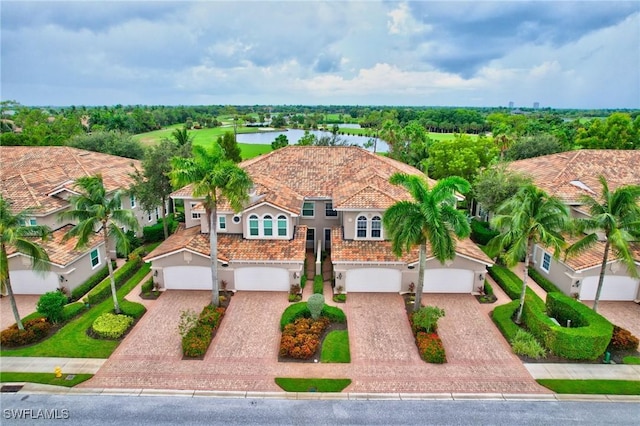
561,54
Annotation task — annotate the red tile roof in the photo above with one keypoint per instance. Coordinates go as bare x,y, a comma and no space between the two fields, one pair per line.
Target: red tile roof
232,247
568,175
29,174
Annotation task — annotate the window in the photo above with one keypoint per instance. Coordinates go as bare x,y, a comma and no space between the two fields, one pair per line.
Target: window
361,227
282,226
267,225
222,223
149,216
308,209
194,215
376,227
327,238
328,210
157,214
253,225
546,262
236,219
95,258
132,200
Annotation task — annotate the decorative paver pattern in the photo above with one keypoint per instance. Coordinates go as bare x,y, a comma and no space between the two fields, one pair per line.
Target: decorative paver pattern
622,314
26,304
243,355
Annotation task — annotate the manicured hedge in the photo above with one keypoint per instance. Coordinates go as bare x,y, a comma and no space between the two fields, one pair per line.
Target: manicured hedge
93,281
318,284
547,285
155,232
132,309
121,275
34,331
507,280
72,309
300,310
481,232
197,340
502,316
586,342
111,326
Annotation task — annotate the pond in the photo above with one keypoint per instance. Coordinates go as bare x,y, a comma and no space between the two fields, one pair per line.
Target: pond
294,135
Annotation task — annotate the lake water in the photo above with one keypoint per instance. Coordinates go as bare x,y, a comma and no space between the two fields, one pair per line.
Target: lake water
294,135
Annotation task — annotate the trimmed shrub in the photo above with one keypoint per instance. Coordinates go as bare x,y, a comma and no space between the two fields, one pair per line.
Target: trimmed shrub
93,281
211,316
293,312
426,319
34,331
301,339
154,233
547,285
318,284
196,342
134,243
303,280
430,348
72,309
197,332
488,288
121,275
481,232
315,305
334,314
623,340
507,280
132,309
525,344
188,320
51,305
503,318
111,326
147,286
340,298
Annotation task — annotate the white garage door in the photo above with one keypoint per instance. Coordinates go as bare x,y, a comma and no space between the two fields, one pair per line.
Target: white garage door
446,280
613,288
30,282
187,278
262,279
373,280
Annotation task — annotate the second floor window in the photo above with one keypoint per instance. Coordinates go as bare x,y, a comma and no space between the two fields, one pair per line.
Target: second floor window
361,227
222,223
369,228
267,226
132,201
376,227
253,225
329,211
282,226
308,209
95,258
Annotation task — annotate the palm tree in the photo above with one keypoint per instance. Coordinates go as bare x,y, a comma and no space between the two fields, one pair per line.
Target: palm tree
14,233
530,217
212,176
431,217
617,215
97,211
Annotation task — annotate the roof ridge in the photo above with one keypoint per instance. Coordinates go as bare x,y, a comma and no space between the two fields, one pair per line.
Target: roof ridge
569,162
31,192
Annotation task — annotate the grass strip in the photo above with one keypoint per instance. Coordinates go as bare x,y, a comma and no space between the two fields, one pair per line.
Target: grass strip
335,347
631,360
72,341
592,387
44,378
289,384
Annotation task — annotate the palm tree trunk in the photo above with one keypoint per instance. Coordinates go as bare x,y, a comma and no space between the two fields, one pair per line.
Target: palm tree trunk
112,279
213,249
601,278
422,260
7,285
524,282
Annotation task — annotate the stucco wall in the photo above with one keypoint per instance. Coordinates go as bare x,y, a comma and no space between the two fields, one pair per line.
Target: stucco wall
320,221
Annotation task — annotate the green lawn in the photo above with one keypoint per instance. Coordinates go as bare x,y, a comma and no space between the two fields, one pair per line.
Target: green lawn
44,378
72,341
596,387
200,136
250,150
634,360
335,347
312,385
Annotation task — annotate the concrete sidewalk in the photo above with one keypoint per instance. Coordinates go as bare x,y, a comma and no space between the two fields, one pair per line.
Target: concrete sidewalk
584,371
47,365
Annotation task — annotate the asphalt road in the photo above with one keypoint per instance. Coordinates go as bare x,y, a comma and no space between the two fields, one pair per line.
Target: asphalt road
44,409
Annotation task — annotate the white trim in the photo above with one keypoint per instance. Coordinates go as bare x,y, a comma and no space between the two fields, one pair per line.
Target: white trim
181,250
266,203
349,262
369,226
473,259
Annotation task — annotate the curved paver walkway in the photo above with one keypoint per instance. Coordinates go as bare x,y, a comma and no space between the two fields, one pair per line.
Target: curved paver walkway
243,355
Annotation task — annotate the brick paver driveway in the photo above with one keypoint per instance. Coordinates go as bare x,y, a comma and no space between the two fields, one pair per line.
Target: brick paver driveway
243,355
26,304
622,314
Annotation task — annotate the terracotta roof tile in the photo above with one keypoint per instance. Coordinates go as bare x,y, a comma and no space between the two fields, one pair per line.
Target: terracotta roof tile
567,175
29,174
232,247
63,252
593,256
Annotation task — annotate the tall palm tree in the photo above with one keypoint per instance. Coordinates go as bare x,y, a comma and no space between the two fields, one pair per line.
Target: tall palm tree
530,217
97,211
212,176
14,232
617,215
431,218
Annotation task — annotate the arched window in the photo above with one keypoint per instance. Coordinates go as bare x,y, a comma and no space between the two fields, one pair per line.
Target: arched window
361,227
282,226
267,225
376,227
253,225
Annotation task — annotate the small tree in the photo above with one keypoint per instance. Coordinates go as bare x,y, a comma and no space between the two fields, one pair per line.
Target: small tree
230,147
426,318
51,305
280,142
315,305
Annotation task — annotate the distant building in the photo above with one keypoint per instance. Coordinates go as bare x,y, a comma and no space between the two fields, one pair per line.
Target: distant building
536,105
510,104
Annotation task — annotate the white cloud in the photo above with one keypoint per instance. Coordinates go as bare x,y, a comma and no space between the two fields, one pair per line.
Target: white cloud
401,22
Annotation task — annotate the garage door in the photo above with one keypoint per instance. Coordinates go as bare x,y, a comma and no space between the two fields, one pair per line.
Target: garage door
613,288
373,280
187,278
446,280
30,282
262,279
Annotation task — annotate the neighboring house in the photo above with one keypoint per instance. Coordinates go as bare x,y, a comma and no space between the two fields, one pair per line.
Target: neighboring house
568,175
42,178
308,199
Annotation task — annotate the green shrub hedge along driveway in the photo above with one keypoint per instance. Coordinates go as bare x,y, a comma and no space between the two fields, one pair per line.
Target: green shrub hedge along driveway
72,341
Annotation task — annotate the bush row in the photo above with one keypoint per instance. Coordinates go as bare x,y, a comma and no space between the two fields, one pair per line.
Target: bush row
300,310
197,340
503,318
318,284
507,280
481,232
547,285
111,326
154,233
34,331
301,339
132,309
93,281
121,275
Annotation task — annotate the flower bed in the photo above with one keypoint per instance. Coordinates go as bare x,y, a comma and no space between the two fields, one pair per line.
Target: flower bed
424,326
34,331
301,339
197,339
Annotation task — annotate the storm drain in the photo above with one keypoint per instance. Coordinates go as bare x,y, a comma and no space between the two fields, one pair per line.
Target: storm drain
10,388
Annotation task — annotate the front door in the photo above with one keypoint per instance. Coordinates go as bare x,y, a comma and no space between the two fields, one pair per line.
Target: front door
327,238
311,238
